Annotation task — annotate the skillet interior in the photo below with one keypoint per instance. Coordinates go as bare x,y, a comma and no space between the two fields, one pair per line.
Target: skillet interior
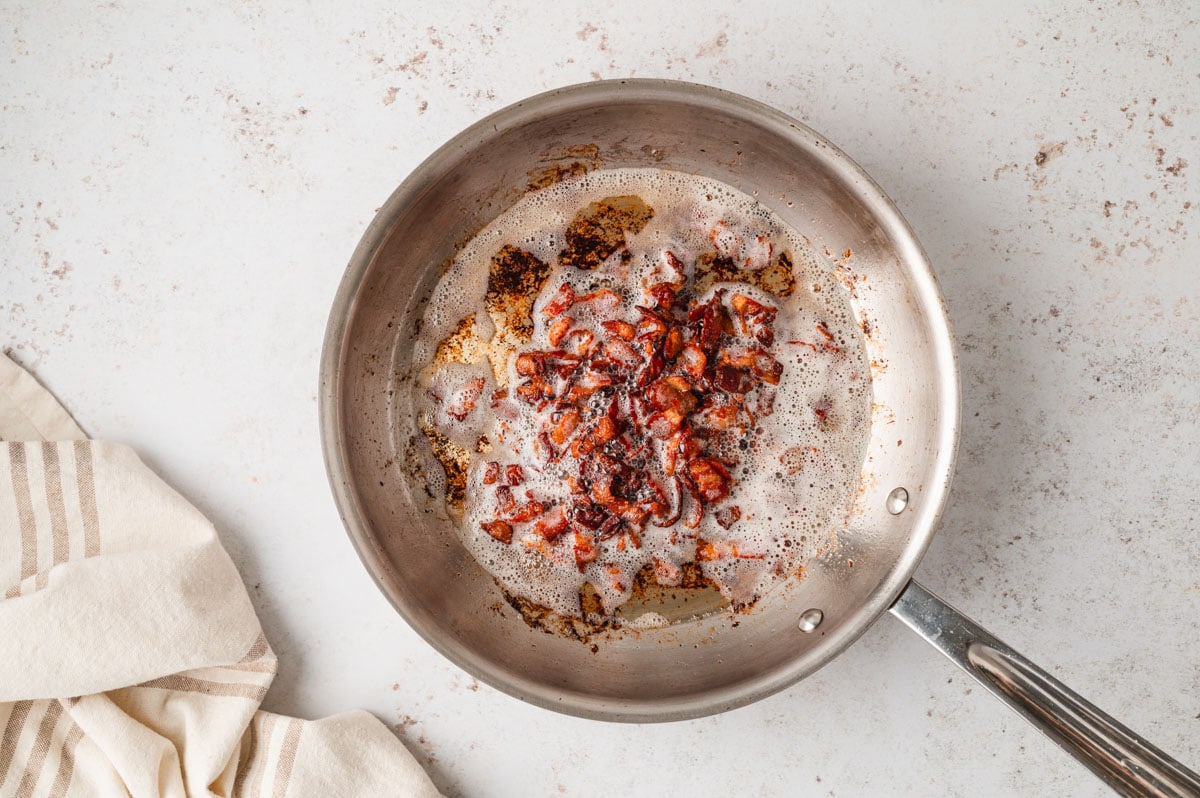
372,446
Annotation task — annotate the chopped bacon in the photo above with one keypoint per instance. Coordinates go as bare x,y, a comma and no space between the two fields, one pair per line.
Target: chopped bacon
711,479
663,295
681,383
693,360
621,352
580,342
527,512
558,330
621,329
588,384
462,401
562,300
585,550
530,363
505,500
651,325
674,265
727,516
675,508
673,344
565,425
500,530
733,380
543,448
587,515
553,523
603,301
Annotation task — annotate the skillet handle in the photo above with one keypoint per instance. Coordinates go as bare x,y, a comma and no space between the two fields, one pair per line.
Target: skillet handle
1126,762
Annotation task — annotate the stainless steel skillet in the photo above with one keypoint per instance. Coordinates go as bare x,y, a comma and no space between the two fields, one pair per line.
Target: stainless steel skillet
377,461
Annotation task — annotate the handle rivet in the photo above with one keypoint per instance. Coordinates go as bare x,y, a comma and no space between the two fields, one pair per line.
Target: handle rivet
811,619
897,500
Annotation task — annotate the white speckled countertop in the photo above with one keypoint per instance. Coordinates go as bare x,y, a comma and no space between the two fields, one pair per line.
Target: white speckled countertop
182,188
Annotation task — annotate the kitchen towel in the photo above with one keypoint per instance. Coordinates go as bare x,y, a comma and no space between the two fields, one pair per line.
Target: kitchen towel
131,660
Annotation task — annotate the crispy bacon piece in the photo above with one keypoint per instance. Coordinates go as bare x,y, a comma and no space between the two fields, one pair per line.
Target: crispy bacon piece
588,384
603,300
565,425
527,512
553,523
505,500
710,477
674,507
652,325
621,329
674,265
693,360
733,380
530,363
720,417
491,473
514,475
665,424
543,448
673,344
663,295
587,515
610,528
710,321
563,299
585,550
695,507
498,529
622,353
558,330
463,400
727,516
671,393
754,318
579,341
761,363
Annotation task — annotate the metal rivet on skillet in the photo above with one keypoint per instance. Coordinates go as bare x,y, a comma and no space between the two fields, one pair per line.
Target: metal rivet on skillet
897,500
811,619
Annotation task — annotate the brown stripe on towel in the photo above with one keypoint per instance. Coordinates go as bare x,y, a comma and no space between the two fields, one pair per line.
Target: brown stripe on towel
20,484
267,730
258,649
87,498
190,684
12,734
287,757
54,500
66,762
41,747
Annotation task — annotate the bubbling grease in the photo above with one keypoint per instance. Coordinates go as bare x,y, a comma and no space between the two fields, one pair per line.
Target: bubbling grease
793,477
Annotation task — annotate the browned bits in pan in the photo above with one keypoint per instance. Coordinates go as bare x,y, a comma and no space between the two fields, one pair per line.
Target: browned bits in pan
515,278
598,230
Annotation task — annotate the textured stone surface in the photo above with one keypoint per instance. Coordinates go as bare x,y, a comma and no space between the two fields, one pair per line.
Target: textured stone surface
181,190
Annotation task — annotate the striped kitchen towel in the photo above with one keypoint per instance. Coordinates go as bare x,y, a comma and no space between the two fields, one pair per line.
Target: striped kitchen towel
131,660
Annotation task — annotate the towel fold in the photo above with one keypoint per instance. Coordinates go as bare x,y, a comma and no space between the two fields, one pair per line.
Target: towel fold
131,660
